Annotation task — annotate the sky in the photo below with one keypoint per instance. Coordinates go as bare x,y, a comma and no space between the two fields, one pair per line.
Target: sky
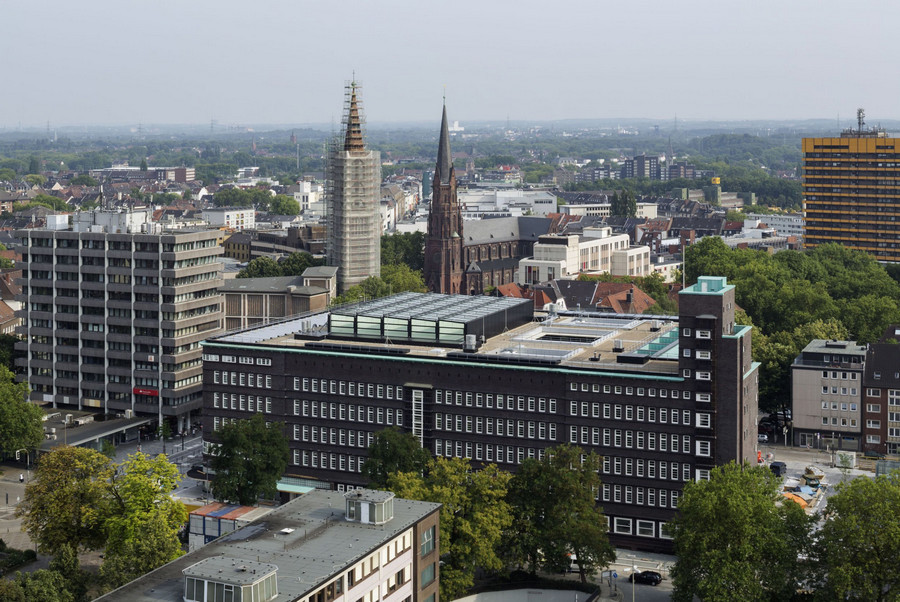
105,62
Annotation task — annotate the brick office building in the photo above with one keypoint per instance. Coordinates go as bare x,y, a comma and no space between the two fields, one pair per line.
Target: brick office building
662,399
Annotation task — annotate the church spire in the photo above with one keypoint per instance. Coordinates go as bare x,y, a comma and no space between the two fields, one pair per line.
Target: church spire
353,139
444,159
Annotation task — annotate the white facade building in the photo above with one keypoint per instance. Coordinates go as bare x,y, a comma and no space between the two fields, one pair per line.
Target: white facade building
596,251
476,204
238,218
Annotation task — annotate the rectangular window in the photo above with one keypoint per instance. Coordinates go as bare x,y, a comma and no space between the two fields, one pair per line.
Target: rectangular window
703,448
646,528
427,575
427,541
622,525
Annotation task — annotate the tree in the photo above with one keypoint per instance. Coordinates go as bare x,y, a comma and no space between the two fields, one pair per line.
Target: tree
143,164
400,278
406,249
232,197
43,586
860,540
7,175
49,201
149,542
473,517
34,165
36,179
21,422
261,267
66,501
732,540
553,500
296,263
84,180
248,461
393,451
65,562
282,204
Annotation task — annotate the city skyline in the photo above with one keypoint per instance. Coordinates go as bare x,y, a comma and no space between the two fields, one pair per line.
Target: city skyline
165,63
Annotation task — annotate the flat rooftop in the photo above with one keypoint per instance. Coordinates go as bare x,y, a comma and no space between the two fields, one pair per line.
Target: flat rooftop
630,343
308,539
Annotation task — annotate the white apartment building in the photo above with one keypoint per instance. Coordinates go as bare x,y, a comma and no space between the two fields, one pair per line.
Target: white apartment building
238,218
596,251
644,210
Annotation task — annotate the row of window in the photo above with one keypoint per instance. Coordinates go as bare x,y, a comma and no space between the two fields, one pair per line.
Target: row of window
353,389
246,403
835,421
243,379
639,527
843,391
499,426
489,400
650,469
667,442
329,460
628,412
844,407
640,496
893,395
231,359
640,391
333,436
348,412
841,375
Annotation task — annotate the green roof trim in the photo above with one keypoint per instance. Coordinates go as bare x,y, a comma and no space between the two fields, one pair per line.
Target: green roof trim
426,360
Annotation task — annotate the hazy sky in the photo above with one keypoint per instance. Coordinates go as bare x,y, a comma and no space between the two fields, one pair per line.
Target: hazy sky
189,61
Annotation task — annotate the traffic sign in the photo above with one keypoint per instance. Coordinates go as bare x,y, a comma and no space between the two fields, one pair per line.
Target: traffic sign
615,575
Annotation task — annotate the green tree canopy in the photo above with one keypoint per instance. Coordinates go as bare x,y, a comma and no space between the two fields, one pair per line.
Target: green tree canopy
401,278
393,451
7,175
36,179
296,263
474,516
282,204
732,540
84,180
249,460
860,540
556,515
66,501
232,197
21,422
406,249
261,267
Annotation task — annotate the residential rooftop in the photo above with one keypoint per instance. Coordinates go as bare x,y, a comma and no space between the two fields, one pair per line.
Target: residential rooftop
308,540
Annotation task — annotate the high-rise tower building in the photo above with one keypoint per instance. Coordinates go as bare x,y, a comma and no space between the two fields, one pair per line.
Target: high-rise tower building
851,191
353,196
113,312
444,242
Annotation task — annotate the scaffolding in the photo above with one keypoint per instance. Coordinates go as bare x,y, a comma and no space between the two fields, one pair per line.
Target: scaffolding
353,198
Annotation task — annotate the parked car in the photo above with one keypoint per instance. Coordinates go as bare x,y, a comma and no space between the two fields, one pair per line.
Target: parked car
762,438
646,577
871,453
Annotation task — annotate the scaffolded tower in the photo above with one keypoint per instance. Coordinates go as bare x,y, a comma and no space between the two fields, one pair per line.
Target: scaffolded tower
353,197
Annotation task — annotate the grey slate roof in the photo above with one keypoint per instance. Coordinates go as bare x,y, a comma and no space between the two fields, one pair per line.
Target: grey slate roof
504,229
320,271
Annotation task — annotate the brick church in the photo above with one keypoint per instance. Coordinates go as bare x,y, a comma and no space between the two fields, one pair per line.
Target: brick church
468,258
